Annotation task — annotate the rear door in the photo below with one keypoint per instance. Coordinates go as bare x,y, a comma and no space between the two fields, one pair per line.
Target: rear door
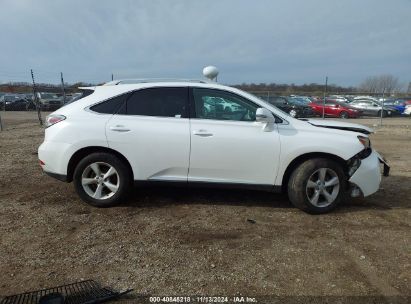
152,131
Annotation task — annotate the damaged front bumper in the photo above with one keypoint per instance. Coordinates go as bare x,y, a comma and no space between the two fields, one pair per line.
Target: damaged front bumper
367,178
386,167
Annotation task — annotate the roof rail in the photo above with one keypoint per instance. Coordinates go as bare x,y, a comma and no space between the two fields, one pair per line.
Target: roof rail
147,80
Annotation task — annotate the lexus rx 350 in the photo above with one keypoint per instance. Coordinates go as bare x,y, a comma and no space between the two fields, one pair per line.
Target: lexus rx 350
195,132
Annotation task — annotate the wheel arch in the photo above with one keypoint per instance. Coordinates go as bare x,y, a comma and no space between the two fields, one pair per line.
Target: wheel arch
302,158
83,152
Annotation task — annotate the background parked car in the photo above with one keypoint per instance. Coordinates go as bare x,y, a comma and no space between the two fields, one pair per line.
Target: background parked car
291,105
335,109
337,98
73,97
399,104
49,101
13,102
373,108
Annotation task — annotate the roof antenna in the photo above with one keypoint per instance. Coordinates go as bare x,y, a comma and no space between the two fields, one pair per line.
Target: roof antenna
210,72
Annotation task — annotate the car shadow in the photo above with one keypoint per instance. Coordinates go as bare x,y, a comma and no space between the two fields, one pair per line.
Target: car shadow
395,193
158,196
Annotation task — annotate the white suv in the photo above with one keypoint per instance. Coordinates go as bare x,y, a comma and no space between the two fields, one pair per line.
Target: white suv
170,132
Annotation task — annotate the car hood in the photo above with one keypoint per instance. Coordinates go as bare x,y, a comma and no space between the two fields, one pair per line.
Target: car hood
346,126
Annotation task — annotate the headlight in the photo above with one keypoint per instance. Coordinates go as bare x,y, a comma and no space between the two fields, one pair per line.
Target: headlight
353,165
365,141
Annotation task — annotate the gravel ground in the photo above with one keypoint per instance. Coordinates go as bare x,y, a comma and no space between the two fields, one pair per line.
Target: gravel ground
198,241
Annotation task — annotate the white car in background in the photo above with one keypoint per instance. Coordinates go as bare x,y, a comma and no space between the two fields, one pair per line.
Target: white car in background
162,132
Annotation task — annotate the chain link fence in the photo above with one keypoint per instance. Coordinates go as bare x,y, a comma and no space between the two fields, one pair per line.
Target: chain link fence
28,108
22,106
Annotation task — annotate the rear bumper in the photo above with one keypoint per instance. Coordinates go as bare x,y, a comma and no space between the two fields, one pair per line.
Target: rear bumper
54,157
368,176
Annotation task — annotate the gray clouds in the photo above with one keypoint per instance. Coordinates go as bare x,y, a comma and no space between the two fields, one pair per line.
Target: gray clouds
250,41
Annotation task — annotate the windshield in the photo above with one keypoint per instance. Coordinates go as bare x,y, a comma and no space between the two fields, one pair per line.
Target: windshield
48,95
297,101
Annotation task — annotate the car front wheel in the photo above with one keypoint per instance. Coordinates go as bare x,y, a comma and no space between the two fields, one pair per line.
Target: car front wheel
317,185
293,113
102,179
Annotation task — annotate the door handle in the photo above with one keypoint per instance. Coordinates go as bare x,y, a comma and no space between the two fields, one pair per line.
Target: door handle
119,128
202,133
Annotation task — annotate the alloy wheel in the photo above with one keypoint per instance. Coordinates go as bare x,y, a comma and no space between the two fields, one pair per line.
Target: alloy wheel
293,113
100,180
323,187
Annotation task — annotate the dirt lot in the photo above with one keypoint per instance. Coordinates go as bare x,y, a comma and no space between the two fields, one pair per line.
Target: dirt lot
199,242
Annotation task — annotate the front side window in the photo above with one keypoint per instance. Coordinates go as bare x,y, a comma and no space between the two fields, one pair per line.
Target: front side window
160,102
222,105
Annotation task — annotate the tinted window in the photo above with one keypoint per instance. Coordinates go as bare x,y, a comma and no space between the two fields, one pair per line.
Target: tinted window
163,102
110,106
221,105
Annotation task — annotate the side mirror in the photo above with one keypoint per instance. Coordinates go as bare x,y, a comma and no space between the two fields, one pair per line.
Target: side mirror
263,115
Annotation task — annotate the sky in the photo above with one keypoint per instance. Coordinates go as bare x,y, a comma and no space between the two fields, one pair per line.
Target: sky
281,41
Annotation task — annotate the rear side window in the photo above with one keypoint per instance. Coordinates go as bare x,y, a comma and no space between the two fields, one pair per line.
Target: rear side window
111,106
161,102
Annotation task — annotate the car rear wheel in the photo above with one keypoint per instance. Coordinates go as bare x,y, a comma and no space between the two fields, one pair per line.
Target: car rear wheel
102,179
317,185
344,115
384,113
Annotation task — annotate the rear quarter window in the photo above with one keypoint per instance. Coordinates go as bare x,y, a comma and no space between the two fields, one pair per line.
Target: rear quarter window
111,106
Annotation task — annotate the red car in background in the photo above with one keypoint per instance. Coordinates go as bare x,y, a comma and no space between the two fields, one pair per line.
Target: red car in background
335,109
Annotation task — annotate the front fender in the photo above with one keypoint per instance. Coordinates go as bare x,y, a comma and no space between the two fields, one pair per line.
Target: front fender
295,143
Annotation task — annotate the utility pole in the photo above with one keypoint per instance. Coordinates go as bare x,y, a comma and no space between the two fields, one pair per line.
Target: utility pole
62,87
325,93
1,124
36,99
382,106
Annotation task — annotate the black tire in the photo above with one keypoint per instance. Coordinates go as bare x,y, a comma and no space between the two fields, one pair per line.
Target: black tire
297,185
344,115
123,176
384,113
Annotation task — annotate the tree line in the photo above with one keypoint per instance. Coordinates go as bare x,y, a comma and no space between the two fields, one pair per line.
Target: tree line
373,85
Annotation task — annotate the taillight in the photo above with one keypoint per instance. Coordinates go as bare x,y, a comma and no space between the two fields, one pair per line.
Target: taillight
52,119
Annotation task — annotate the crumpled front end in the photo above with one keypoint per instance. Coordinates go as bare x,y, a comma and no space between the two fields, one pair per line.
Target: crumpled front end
366,178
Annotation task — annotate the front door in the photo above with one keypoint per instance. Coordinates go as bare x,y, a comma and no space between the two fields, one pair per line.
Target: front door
227,144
